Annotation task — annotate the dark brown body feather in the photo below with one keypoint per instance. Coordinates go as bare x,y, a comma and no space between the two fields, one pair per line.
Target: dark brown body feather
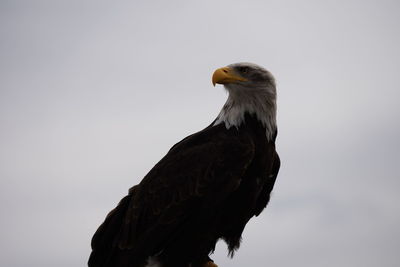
206,188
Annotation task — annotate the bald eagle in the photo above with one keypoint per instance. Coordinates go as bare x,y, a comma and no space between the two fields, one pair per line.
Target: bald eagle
206,188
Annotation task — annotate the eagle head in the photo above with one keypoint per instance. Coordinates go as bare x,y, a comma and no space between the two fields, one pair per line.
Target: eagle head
251,90
245,79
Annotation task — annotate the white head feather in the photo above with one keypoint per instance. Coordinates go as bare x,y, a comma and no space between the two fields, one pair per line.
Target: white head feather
255,96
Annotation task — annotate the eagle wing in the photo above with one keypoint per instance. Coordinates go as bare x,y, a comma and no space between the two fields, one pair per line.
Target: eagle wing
197,173
194,174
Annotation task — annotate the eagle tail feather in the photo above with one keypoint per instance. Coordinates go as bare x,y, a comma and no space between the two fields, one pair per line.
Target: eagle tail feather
105,240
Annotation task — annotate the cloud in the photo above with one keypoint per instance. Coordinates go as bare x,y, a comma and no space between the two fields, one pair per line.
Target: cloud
93,94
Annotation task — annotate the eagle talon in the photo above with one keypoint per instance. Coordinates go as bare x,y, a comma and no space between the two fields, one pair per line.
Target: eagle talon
210,264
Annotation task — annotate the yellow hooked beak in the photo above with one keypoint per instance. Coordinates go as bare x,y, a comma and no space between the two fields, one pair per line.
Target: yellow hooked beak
226,75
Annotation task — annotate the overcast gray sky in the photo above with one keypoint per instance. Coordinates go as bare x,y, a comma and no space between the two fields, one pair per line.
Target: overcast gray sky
94,93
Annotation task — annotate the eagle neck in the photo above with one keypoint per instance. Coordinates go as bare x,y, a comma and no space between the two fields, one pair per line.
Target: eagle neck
262,105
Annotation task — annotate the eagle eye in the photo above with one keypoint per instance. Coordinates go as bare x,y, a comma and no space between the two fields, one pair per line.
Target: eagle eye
243,69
